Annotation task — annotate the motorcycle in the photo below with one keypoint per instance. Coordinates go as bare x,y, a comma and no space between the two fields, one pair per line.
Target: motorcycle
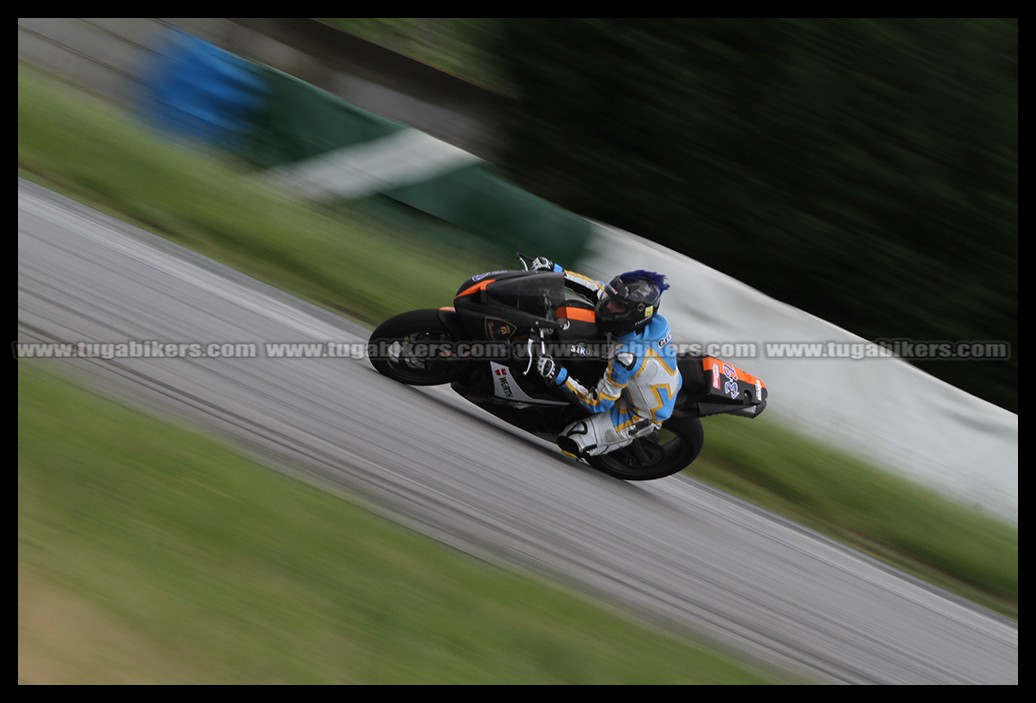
485,346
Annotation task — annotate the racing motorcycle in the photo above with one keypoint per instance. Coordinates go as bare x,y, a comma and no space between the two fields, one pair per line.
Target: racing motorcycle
485,346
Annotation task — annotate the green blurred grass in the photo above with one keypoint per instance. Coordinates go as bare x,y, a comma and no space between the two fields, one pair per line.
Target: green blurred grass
895,520
372,259
149,553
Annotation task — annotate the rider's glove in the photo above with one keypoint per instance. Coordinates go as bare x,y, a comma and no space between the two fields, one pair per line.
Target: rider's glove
542,263
550,370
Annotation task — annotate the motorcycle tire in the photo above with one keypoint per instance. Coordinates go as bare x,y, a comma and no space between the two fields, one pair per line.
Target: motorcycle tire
395,343
666,452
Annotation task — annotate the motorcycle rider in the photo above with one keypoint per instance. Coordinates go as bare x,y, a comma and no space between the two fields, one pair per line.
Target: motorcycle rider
638,390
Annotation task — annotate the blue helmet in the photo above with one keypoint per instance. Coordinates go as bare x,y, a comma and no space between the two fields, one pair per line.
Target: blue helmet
629,301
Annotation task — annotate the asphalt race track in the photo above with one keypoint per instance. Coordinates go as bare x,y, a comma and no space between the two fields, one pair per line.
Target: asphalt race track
672,551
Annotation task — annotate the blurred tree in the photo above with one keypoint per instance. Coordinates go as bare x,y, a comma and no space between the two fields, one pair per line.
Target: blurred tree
862,170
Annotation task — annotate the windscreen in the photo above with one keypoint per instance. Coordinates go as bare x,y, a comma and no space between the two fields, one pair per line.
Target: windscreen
538,293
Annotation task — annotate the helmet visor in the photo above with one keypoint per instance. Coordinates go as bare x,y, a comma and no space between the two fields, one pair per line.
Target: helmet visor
615,307
610,307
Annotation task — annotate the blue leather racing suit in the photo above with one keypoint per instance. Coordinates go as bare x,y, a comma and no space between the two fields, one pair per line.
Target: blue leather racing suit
635,395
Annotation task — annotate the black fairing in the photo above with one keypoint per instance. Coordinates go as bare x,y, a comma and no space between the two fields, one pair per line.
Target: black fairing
508,308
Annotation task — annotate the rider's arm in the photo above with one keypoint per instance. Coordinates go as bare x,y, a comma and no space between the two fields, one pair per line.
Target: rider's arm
603,396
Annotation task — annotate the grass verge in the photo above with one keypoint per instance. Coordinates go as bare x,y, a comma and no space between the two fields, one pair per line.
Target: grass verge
371,260
151,554
899,522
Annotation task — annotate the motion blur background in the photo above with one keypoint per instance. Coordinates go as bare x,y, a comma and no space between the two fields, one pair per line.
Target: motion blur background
860,171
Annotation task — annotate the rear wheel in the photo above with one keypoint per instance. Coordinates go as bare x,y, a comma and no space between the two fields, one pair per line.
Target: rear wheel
661,454
413,348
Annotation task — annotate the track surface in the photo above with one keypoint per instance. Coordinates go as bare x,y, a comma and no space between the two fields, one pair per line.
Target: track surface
671,550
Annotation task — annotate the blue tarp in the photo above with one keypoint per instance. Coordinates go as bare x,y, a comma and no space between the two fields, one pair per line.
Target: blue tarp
200,90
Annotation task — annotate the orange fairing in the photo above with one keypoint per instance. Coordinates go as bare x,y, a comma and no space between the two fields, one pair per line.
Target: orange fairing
724,366
470,290
577,314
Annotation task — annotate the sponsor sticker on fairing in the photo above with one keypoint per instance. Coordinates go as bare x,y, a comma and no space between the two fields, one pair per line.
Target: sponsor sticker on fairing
500,373
730,387
480,276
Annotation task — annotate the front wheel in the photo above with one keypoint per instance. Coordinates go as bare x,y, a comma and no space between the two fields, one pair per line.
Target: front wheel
661,454
413,348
